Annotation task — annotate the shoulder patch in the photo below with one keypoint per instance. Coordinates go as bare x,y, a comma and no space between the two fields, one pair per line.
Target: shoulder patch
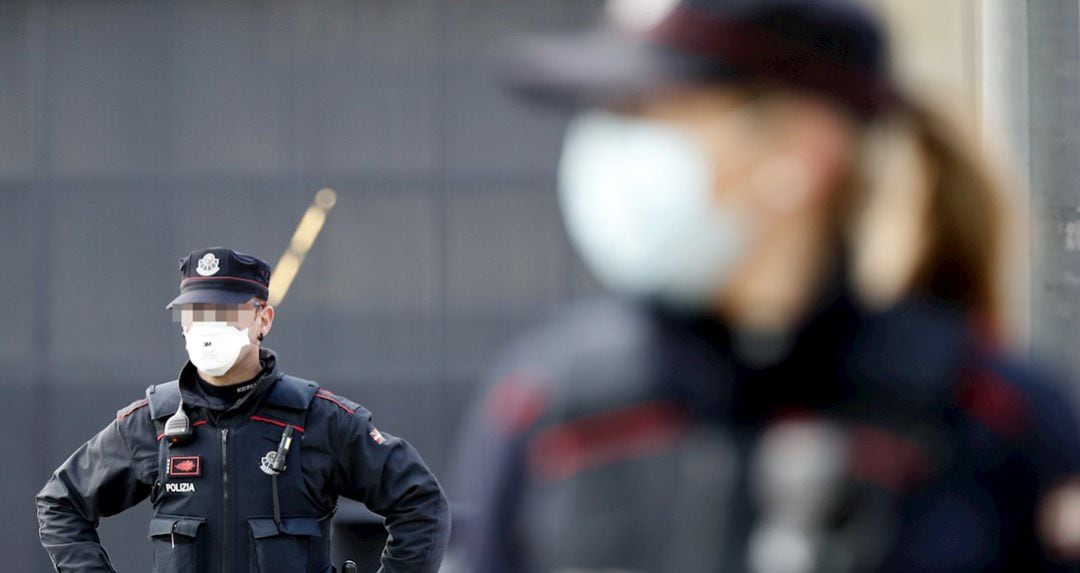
377,436
129,409
343,403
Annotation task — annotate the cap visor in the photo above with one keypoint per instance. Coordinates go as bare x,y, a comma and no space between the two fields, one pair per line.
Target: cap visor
599,67
210,296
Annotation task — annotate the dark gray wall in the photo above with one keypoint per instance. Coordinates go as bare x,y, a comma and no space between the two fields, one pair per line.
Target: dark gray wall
133,132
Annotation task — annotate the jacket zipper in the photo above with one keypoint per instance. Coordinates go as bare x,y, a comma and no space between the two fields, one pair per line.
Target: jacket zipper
226,552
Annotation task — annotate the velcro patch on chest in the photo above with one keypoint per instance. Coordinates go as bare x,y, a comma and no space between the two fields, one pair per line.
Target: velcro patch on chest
184,466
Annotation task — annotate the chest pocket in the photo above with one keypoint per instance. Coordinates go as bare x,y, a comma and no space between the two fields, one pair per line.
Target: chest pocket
179,544
296,543
252,449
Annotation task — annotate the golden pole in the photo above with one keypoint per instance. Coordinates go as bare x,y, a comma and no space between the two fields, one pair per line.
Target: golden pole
302,240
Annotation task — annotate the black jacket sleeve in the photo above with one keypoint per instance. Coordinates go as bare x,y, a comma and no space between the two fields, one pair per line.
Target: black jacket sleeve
388,476
102,478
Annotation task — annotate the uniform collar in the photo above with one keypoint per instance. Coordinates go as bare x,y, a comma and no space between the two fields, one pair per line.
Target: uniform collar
907,358
194,396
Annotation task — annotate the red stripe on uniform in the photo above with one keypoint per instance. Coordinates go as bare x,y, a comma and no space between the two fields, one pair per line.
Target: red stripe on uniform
995,403
515,403
890,460
214,278
330,398
130,409
562,451
275,422
195,425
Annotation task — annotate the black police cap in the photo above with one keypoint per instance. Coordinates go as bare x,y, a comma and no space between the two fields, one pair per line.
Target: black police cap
222,276
832,47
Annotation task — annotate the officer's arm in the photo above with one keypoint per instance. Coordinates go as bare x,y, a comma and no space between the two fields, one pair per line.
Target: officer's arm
99,479
388,476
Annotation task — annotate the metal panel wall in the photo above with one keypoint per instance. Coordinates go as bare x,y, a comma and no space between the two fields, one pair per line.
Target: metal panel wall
132,132
1053,32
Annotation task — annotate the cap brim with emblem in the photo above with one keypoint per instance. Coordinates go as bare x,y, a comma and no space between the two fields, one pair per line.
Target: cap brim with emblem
221,276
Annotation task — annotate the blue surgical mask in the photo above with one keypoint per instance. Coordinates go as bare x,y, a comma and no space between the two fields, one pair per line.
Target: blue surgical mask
637,199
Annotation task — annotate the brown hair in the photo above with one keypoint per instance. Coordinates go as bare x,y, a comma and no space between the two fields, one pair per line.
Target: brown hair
959,207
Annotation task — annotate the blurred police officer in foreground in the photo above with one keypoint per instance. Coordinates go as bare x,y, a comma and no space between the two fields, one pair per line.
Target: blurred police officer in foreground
800,370
243,464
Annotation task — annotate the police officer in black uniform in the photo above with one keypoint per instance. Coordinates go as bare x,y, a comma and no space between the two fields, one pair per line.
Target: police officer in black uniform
774,388
243,464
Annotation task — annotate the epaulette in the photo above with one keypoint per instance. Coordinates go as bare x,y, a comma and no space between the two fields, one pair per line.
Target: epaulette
292,393
164,399
130,408
341,402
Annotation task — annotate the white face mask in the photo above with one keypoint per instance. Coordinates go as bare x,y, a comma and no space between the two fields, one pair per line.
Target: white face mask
214,347
637,200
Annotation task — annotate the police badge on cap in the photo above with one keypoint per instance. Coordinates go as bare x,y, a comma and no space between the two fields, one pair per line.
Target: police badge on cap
221,276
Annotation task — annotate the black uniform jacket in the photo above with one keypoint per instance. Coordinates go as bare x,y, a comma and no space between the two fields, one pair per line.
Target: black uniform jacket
214,498
625,437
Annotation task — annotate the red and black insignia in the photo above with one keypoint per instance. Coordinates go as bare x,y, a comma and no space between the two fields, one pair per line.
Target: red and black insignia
184,466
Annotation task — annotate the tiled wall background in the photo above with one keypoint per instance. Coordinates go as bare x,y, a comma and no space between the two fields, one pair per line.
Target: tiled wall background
133,132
